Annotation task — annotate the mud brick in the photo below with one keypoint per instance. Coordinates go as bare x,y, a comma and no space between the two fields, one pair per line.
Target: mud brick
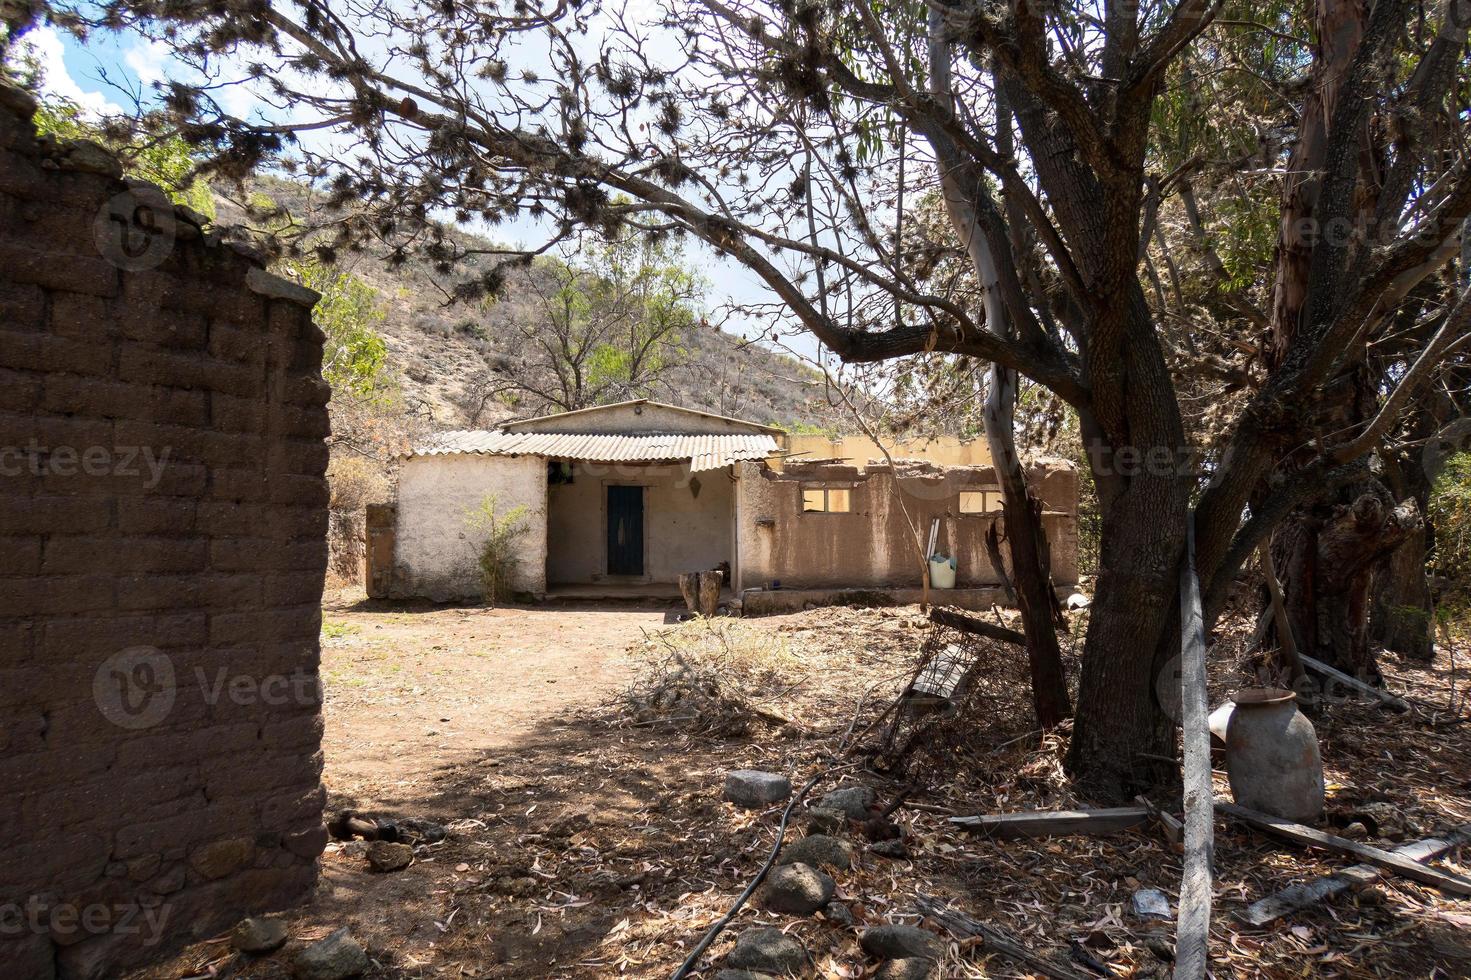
55,594
292,588
44,514
79,316
59,270
96,398
147,364
125,554
20,391
20,555
171,329
22,307
156,515
237,414
44,352
192,591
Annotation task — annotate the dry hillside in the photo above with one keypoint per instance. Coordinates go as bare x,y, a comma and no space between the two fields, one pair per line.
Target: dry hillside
440,351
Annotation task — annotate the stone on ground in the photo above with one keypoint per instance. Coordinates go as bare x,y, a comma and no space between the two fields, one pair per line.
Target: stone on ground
741,975
896,942
754,788
894,848
852,801
335,958
821,820
258,936
383,856
819,851
1151,903
839,913
797,889
911,968
766,951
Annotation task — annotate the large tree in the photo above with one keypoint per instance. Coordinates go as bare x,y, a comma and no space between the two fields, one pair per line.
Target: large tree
790,136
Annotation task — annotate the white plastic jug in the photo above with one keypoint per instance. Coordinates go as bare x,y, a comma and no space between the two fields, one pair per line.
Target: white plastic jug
942,572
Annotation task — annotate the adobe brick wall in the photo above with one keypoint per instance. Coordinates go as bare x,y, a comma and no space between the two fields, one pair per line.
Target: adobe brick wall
162,516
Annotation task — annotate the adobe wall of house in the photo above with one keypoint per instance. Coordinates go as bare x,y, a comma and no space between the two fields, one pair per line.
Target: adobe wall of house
687,521
162,516
871,546
436,551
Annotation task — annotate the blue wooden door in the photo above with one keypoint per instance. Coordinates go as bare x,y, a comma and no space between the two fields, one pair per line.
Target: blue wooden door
625,530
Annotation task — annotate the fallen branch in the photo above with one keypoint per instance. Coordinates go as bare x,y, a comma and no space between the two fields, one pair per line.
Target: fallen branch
1309,893
1054,823
1387,860
1333,673
975,627
963,926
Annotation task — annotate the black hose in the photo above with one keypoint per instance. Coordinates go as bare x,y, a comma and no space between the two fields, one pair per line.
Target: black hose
781,830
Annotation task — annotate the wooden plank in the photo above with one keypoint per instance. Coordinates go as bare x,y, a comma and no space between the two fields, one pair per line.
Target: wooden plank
1309,893
963,926
1172,828
1054,823
1384,697
1387,860
1193,923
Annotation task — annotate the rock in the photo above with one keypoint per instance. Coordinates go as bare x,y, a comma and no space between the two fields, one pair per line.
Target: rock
797,889
1151,903
1356,830
386,856
822,820
258,936
896,942
335,958
741,975
220,858
767,951
852,801
911,968
92,158
839,913
819,851
895,848
753,788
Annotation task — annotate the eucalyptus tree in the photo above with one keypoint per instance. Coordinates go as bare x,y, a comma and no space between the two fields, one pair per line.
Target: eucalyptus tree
793,135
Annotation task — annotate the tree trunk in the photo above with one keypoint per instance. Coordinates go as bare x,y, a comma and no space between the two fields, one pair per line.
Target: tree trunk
1327,554
1031,571
1400,610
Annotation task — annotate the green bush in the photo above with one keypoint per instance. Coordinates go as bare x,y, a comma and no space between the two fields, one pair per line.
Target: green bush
1450,515
497,559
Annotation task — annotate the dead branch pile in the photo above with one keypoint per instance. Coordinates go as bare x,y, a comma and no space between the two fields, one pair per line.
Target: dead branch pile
710,677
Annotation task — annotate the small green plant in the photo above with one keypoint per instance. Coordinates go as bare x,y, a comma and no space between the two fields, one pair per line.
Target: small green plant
497,558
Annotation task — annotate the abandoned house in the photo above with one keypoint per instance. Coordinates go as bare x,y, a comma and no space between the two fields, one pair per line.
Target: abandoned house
621,499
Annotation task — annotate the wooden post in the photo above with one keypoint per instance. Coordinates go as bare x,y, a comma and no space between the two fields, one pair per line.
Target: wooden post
1192,928
709,594
689,587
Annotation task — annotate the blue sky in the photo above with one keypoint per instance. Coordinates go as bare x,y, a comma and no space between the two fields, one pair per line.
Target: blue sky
105,73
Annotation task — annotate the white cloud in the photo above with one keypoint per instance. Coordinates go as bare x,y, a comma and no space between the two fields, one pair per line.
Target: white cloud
146,60
45,46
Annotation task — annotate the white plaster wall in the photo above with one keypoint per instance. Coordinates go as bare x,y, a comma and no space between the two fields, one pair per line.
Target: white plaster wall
435,550
682,532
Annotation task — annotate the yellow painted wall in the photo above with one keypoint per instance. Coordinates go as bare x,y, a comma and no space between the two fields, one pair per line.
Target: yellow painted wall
947,450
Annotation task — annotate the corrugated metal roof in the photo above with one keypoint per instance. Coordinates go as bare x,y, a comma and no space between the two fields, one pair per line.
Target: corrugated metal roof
704,451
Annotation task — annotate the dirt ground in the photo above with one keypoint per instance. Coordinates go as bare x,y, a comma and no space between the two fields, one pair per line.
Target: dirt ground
588,837
416,689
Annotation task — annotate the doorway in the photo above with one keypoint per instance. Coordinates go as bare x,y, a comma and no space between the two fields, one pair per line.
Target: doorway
625,530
